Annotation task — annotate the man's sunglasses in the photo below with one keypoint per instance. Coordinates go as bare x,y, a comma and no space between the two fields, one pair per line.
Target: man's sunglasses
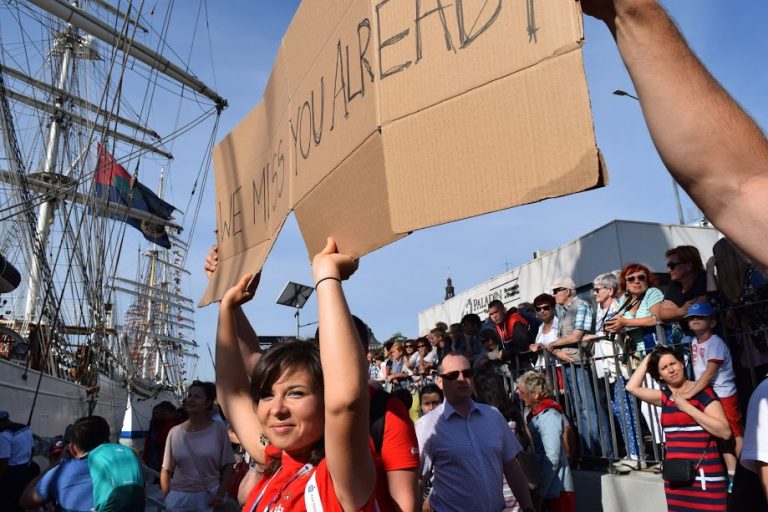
641,278
543,308
468,373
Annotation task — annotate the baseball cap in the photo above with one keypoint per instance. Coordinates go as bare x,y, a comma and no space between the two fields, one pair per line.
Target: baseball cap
700,309
563,282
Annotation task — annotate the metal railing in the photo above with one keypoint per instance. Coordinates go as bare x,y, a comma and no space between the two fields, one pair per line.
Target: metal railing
611,423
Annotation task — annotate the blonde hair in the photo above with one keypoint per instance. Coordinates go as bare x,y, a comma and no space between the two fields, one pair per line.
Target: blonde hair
535,382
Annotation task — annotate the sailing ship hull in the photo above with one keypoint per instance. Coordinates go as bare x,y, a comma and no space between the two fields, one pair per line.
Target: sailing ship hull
139,411
59,402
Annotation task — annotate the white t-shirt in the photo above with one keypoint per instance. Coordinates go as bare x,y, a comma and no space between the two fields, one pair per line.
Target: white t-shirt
755,447
714,349
546,339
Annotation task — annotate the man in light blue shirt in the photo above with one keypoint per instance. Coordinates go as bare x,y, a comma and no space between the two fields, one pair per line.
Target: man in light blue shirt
468,448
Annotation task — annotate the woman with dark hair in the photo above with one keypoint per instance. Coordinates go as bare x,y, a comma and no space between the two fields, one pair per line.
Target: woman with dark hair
544,305
198,459
688,282
319,455
690,428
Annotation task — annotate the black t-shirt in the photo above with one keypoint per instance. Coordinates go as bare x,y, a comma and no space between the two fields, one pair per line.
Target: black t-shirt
675,290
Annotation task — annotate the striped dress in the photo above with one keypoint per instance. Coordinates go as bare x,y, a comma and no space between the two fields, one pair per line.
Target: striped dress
686,439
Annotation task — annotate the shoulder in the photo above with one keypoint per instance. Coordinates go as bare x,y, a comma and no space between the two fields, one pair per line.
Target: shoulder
653,295
429,420
706,396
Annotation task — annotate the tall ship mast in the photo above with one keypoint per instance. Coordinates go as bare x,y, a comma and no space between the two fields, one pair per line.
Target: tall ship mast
90,112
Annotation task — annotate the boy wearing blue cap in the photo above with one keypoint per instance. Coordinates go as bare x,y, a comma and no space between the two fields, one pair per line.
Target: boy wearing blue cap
712,366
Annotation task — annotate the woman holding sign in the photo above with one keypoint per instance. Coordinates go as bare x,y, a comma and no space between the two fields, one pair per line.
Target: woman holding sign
319,456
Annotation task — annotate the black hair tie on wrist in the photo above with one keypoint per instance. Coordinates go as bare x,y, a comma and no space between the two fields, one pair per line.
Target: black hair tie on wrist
325,279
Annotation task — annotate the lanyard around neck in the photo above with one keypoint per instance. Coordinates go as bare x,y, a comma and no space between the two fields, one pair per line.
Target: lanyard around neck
306,468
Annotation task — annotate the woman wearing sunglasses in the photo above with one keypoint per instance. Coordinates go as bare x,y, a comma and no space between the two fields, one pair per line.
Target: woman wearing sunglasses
637,317
544,305
639,309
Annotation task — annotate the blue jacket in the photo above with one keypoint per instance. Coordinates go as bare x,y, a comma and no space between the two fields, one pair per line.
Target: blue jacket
546,424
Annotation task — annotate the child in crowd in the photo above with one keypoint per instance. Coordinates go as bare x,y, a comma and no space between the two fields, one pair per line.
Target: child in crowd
430,396
712,366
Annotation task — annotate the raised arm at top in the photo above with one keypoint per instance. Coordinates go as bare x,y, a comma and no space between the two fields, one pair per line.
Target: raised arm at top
709,144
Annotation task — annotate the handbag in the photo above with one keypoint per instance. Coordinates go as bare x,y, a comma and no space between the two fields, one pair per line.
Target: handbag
682,471
528,463
228,504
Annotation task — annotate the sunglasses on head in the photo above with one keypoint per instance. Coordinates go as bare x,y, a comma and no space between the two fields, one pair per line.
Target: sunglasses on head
640,278
468,373
543,308
672,264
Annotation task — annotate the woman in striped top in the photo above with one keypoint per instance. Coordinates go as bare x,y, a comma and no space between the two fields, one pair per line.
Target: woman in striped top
690,427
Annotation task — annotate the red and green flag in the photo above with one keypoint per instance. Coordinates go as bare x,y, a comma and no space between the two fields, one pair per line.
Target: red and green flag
114,184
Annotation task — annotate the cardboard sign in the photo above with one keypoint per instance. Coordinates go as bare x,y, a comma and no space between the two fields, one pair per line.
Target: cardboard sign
377,108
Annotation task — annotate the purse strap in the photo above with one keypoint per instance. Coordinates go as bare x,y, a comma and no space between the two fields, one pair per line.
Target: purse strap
194,459
704,452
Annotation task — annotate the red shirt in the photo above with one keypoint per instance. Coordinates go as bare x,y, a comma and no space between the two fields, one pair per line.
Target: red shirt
286,487
399,449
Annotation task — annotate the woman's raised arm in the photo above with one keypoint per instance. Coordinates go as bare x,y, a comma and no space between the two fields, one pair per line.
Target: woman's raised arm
347,452
232,384
635,385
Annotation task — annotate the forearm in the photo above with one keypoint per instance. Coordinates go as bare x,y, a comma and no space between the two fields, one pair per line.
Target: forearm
233,385
248,341
231,376
705,139
569,340
669,311
636,380
703,381
165,481
518,483
718,427
29,498
340,352
634,323
227,473
403,486
763,473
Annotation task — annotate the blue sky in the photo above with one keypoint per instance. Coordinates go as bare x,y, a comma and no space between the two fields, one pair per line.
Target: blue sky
396,282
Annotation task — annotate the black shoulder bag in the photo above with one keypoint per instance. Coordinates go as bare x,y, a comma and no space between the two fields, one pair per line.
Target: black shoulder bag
682,471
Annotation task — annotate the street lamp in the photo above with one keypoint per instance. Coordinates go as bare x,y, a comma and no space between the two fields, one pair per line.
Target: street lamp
678,204
295,295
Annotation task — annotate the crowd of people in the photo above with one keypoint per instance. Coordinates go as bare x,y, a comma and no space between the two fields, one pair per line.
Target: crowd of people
493,414
503,409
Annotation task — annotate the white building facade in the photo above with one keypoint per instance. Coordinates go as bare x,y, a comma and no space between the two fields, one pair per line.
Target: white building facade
605,249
